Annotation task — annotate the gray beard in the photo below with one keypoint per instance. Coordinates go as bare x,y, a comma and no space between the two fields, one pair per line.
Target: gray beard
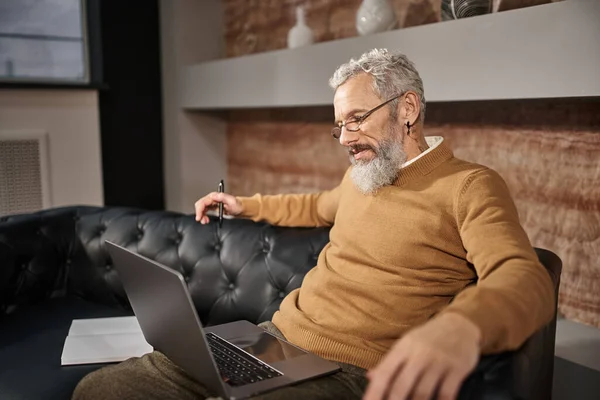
370,176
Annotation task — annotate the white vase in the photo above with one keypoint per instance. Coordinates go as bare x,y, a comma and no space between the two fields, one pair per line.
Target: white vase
375,16
300,35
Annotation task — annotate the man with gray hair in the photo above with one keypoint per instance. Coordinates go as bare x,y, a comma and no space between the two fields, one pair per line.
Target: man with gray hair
427,266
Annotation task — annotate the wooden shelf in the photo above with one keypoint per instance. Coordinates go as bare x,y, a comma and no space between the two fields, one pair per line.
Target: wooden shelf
547,51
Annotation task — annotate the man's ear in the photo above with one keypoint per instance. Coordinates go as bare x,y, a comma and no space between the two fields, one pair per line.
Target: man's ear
411,107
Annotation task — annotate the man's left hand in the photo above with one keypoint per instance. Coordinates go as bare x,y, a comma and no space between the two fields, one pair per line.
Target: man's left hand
434,358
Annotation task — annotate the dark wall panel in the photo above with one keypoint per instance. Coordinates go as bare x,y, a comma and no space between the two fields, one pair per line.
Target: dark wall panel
131,105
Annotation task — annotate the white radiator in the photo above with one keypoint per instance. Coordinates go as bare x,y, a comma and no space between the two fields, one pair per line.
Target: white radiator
24,172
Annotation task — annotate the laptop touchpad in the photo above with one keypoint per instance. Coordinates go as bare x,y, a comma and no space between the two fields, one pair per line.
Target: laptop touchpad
266,347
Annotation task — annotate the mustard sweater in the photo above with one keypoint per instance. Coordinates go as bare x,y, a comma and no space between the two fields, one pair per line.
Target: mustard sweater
413,250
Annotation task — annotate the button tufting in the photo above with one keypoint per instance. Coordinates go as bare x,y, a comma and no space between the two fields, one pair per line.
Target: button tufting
68,261
266,248
23,266
231,286
187,278
281,295
108,267
218,246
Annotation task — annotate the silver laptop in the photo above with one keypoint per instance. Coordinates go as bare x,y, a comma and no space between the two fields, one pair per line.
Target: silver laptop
233,360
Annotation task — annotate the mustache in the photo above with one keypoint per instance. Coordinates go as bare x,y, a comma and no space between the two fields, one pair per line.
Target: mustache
356,148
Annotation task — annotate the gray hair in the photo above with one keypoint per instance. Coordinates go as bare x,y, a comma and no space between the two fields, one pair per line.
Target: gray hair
393,74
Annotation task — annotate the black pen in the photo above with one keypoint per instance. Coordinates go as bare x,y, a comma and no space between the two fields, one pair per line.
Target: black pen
221,189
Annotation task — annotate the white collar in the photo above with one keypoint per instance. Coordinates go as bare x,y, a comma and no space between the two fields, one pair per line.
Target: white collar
432,142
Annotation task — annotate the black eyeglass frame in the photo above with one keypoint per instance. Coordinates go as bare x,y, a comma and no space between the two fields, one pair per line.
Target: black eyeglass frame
336,131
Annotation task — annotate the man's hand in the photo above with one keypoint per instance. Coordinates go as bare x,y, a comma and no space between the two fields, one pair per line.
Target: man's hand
434,358
231,205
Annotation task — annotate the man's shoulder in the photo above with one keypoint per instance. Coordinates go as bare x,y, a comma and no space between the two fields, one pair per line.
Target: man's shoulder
475,182
462,175
464,165
460,169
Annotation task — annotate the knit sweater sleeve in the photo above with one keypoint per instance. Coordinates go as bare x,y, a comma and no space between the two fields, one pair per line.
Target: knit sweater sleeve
514,295
299,210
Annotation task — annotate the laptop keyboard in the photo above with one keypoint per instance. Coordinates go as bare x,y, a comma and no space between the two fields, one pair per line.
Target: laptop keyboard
237,367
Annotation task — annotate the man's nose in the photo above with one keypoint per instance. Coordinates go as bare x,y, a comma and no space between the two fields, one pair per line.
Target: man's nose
347,137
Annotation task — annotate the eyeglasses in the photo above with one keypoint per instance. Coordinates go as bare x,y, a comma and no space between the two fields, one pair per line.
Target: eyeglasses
354,124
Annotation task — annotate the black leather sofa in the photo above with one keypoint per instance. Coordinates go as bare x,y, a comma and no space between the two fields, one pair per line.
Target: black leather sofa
54,267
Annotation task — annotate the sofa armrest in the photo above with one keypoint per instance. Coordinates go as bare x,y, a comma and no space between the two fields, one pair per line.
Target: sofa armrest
526,373
513,375
32,252
490,380
7,271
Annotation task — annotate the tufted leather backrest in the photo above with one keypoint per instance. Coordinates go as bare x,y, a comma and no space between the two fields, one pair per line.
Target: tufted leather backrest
240,271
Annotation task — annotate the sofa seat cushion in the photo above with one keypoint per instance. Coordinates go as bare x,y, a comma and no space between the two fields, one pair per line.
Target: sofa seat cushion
31,343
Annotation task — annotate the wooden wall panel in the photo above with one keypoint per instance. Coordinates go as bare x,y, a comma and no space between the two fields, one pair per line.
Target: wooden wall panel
548,153
283,151
546,150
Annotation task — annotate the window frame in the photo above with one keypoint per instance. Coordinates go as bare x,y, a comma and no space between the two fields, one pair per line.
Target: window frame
92,58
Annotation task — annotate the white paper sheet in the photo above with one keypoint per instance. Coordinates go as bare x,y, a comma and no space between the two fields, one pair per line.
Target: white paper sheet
105,348
103,326
104,340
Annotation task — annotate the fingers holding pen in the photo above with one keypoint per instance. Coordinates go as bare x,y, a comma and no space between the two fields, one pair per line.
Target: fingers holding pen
232,206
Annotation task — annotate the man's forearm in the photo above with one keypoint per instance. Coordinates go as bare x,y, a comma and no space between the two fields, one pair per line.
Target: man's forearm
301,210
